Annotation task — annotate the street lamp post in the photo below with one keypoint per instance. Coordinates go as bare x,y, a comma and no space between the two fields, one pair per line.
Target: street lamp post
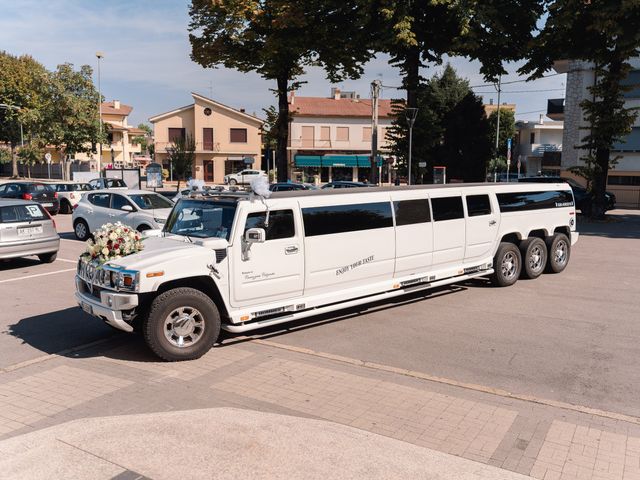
410,113
99,56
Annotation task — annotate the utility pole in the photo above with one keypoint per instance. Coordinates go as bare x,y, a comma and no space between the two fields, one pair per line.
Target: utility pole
495,173
411,114
375,96
99,56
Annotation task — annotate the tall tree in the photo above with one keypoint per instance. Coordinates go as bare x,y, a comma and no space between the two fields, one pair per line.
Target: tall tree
604,34
24,84
278,39
451,129
507,130
74,125
182,154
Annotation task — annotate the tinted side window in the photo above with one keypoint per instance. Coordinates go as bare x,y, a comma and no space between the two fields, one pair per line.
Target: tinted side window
447,208
409,212
100,199
521,201
478,205
118,201
346,218
280,223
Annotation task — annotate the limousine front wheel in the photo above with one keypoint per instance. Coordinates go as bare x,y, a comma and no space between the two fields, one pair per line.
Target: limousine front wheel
507,265
559,253
183,324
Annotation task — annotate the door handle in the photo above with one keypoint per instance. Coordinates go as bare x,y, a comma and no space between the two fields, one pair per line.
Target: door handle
492,223
291,249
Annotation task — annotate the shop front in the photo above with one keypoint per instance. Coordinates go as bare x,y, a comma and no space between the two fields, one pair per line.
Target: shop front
330,168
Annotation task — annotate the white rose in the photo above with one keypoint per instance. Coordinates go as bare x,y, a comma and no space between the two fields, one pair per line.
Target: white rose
113,236
105,251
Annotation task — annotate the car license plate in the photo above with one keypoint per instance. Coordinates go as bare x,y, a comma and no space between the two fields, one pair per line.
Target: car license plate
87,308
30,230
47,204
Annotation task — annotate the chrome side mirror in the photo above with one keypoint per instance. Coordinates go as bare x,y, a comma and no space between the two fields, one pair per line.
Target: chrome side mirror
251,236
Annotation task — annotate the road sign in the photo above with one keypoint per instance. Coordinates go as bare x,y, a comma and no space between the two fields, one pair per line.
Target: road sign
47,157
508,143
422,164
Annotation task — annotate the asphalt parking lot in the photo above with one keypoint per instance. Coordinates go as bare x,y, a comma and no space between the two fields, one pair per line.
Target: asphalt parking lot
573,337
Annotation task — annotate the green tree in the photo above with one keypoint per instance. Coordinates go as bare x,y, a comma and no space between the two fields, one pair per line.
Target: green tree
31,153
5,155
278,39
72,116
24,83
604,34
507,131
144,140
451,129
181,155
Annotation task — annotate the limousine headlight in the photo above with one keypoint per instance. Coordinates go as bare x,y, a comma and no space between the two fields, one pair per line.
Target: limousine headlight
126,280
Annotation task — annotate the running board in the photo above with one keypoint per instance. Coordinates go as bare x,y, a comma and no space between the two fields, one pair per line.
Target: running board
245,327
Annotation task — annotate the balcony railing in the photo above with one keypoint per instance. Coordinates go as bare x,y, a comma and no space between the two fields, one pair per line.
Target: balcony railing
317,143
162,147
538,149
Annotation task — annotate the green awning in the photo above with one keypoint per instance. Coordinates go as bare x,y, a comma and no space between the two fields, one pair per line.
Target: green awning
334,161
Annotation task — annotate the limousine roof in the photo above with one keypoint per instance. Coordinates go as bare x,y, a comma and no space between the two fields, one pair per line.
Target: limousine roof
500,187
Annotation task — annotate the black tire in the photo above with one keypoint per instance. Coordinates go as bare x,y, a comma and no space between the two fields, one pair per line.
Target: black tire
81,230
534,257
201,329
48,257
233,181
507,265
559,248
142,228
65,207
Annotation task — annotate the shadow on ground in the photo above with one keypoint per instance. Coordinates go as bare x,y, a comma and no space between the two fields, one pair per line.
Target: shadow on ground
15,263
616,225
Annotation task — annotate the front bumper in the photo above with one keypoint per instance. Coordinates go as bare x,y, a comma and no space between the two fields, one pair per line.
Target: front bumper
109,307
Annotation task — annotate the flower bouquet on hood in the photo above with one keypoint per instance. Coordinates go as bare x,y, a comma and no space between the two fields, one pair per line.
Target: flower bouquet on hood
112,241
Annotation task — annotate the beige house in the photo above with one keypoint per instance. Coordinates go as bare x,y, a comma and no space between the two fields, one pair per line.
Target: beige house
224,137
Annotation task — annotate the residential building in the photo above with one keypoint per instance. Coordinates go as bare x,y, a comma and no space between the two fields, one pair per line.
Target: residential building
330,138
538,147
624,179
227,140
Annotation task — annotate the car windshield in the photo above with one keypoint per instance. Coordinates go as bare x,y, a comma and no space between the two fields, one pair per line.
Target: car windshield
149,201
201,218
115,183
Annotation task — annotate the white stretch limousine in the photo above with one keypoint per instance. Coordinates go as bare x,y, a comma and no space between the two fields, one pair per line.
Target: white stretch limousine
239,261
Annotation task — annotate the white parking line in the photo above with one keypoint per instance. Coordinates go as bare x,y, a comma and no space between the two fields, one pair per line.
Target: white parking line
66,260
38,275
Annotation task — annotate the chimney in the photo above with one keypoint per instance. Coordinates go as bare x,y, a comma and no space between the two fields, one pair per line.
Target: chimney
242,110
116,104
336,93
292,98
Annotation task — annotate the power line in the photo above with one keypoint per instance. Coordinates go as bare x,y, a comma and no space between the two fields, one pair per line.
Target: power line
514,81
532,111
528,91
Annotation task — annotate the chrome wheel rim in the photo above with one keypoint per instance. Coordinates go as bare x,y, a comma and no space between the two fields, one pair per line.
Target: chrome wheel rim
536,258
509,265
183,327
560,252
81,230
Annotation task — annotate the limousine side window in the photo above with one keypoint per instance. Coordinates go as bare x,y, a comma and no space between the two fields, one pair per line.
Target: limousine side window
346,218
478,205
521,201
447,208
409,212
280,223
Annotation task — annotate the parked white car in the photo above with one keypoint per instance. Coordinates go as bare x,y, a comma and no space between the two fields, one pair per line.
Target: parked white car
69,194
139,209
108,184
244,176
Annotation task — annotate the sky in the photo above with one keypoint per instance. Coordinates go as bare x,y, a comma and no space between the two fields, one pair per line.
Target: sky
146,60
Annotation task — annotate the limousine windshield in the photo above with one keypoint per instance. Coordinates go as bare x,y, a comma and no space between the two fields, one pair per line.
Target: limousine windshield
201,218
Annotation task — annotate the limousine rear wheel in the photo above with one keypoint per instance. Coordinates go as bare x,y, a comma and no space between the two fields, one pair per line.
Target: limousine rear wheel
183,324
559,252
534,257
507,265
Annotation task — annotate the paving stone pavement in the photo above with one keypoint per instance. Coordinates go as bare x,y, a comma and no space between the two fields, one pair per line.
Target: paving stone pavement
530,438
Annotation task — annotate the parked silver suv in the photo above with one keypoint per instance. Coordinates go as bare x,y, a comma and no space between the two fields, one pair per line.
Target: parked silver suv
26,228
